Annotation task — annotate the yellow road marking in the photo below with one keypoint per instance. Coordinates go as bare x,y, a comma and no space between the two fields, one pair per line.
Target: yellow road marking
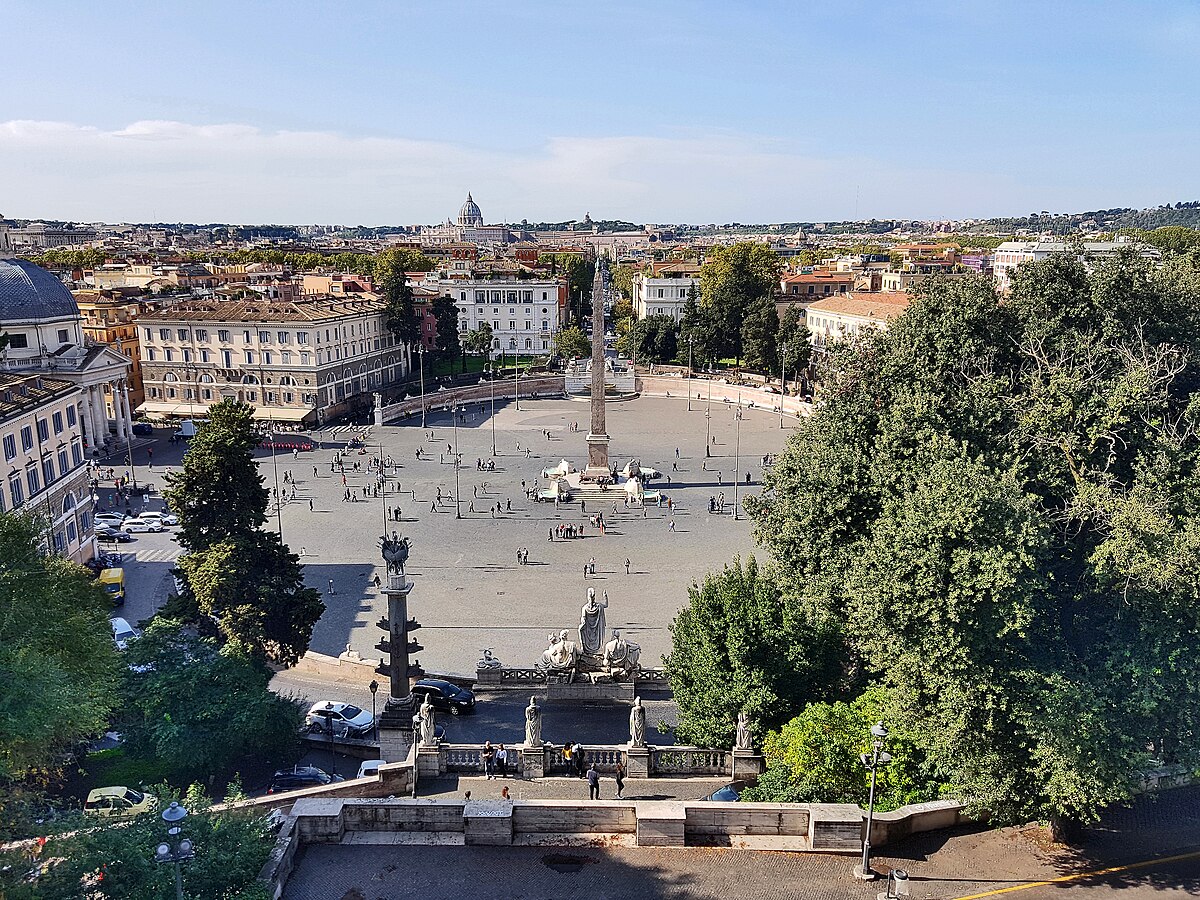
1077,875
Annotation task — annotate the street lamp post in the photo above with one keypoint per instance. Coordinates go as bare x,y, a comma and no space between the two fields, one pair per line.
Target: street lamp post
457,492
174,850
737,457
421,363
492,383
374,686
708,419
873,761
782,382
516,387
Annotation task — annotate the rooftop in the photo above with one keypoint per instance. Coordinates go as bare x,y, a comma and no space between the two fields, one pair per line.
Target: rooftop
307,309
21,393
880,306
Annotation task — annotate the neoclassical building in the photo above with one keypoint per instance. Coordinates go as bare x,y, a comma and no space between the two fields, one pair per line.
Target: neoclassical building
42,324
469,228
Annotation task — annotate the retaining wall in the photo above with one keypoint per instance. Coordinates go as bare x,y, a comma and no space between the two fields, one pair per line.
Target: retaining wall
750,397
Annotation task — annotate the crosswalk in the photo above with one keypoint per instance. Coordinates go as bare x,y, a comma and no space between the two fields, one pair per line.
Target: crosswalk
163,554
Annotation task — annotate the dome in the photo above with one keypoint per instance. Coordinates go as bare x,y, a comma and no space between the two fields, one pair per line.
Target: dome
470,216
29,292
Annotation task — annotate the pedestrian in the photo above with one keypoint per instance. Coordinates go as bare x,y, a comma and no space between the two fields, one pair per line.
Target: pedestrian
488,758
508,503
671,526
551,532
502,762
332,592
620,778
627,565
471,508
585,570
504,793
303,551
593,780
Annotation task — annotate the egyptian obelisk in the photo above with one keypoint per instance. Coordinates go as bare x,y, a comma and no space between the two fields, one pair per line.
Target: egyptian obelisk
597,439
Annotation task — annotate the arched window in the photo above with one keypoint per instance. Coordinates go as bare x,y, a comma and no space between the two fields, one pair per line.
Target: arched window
249,379
287,380
68,503
170,377
206,379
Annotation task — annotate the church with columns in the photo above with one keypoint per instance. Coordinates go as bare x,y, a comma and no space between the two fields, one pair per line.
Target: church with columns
44,334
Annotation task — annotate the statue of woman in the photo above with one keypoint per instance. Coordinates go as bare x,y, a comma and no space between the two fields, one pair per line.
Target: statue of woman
591,624
637,724
533,724
426,713
743,739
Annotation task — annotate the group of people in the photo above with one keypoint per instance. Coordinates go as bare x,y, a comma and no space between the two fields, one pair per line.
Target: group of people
482,465
495,761
522,556
575,758
717,504
566,531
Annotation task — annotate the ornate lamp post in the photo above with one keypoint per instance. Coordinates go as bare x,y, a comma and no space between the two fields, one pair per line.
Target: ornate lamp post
492,383
689,377
873,761
374,686
175,849
457,492
708,418
516,387
737,457
421,362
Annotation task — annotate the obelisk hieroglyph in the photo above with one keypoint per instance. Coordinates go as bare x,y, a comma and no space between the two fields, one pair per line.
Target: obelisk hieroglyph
597,439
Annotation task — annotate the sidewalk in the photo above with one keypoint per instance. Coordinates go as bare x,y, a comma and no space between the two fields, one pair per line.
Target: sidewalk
449,787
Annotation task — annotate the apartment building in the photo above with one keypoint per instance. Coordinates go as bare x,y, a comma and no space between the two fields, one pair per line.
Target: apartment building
525,314
834,318
45,468
109,319
1011,254
301,361
663,290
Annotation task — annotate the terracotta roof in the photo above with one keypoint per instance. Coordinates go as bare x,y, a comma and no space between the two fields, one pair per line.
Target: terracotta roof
308,309
20,393
816,277
881,306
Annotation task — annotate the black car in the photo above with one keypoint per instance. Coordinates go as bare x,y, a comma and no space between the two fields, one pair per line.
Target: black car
112,535
445,696
300,777
143,428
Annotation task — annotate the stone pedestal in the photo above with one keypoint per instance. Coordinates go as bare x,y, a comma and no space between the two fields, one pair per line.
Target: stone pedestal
428,765
533,762
638,760
488,823
394,744
661,823
745,764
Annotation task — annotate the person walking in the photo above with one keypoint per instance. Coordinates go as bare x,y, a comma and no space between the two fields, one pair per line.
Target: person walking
593,780
580,758
488,758
501,761
627,565
620,779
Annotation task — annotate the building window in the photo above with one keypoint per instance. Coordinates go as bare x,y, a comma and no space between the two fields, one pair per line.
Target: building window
202,334
203,356
267,357
283,337
71,533
76,453
64,461
149,334
249,357
27,437
183,335
59,543
62,335
164,333
154,393
16,490
545,324
245,337
71,416
545,345
227,359
32,480
58,422
222,335
187,355
264,337
43,428
302,337
304,359
169,355
151,354
18,341
48,471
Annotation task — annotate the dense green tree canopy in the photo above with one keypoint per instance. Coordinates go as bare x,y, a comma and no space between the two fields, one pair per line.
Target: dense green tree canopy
58,668
999,501
579,272
391,280
572,342
736,282
479,341
795,350
446,313
654,339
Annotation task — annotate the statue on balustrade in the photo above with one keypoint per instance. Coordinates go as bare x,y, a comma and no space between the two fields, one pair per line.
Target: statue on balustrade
621,657
533,724
425,715
744,738
591,624
637,724
560,658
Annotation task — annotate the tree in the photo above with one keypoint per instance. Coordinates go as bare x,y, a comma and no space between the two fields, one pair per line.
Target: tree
622,280
736,281
57,659
391,280
446,313
219,490
254,587
760,330
571,342
580,273
1173,238
999,503
198,708
795,348
736,647
697,325
653,339
480,340
622,309
814,758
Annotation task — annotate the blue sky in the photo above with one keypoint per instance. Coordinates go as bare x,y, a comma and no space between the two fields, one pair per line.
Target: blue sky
663,111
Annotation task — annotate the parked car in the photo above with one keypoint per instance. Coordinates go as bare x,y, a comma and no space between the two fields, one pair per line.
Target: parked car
143,428
300,777
161,515
445,696
345,719
728,793
111,519
118,801
123,632
139,524
107,535
369,767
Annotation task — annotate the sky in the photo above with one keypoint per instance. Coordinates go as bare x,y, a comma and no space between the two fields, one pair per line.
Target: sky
253,111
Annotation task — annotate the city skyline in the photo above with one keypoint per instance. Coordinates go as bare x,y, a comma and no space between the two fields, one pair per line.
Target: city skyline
684,112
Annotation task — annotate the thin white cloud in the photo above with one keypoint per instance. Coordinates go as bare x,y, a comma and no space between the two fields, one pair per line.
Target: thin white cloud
178,171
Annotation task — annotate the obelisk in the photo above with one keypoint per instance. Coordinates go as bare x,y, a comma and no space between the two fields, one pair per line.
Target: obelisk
597,439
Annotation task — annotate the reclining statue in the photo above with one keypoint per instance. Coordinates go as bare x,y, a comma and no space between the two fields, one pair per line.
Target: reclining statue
621,656
560,658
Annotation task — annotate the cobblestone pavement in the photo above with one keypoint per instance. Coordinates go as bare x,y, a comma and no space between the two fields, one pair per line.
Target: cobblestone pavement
961,863
453,787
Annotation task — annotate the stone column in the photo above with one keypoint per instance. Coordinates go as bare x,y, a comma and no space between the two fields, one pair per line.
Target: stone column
127,411
638,761
99,418
118,411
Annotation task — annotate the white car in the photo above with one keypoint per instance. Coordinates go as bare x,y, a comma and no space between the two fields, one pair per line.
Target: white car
123,632
369,767
139,524
161,516
346,719
111,519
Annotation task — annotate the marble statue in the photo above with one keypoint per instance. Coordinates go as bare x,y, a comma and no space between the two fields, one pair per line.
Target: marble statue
637,724
533,724
426,720
744,737
591,624
560,657
621,656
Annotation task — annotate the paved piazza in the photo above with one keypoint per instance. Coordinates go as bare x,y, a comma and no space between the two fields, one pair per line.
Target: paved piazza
470,592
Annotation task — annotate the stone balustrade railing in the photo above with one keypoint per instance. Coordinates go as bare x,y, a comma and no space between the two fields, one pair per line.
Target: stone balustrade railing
503,390
502,678
664,761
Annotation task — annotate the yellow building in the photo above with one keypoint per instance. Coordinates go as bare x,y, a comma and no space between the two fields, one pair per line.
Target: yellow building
109,318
